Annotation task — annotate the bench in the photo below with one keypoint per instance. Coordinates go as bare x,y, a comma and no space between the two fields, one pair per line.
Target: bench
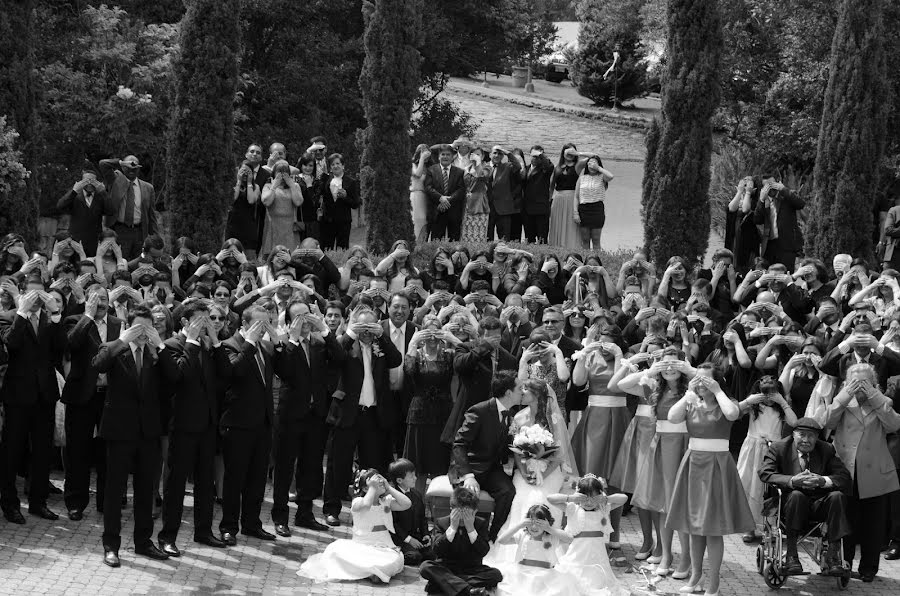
437,499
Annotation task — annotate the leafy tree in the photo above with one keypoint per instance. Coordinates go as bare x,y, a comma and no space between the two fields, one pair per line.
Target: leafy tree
200,162
441,121
609,26
852,137
676,210
389,83
13,176
528,39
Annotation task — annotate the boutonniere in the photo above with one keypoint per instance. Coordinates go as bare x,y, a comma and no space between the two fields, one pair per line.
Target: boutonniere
376,351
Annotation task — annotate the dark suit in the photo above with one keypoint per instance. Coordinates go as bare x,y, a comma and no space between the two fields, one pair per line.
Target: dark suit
246,220
302,432
192,372
84,401
246,426
457,567
337,214
450,221
131,427
29,393
836,363
800,506
504,201
368,430
402,396
481,448
512,342
794,300
86,221
536,200
789,243
411,522
130,237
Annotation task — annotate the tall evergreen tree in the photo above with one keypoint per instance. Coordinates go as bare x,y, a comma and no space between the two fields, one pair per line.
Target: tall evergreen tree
852,134
389,83
676,211
200,163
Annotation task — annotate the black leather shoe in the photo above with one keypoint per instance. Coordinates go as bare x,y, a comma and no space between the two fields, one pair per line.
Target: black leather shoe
868,577
149,550
111,558
169,548
478,592
15,516
258,533
332,521
310,523
210,540
229,539
282,530
44,513
76,514
52,489
792,565
893,552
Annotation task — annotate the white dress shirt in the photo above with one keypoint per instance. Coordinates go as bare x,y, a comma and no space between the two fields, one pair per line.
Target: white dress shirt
398,338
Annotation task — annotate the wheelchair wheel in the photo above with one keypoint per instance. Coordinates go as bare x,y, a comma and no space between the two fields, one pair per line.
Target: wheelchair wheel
843,581
760,559
772,577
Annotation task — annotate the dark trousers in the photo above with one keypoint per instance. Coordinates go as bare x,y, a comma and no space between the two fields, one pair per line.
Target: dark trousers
82,448
868,517
374,446
492,224
299,450
894,504
190,453
25,426
140,457
505,228
446,578
334,233
537,227
515,227
799,510
496,483
446,224
246,455
776,253
130,239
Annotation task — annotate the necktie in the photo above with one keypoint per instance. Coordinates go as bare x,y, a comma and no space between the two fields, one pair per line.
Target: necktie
139,360
261,363
397,372
35,323
129,205
804,462
367,394
446,181
304,343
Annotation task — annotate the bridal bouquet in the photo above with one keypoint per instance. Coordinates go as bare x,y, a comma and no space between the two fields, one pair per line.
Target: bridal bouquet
534,444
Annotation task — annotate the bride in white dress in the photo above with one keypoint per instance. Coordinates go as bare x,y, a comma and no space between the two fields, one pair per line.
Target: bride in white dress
531,490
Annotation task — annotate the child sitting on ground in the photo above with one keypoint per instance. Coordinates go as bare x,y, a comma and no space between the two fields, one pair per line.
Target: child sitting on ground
410,528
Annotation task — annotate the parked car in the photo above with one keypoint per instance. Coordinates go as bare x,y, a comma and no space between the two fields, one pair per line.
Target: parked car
557,69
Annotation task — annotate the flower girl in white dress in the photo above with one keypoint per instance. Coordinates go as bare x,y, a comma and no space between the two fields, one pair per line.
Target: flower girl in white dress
371,552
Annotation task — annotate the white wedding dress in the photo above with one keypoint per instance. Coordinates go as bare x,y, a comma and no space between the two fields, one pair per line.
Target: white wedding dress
534,494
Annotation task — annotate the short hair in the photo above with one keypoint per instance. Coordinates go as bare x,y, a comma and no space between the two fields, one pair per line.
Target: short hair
334,157
192,307
87,263
253,309
489,323
305,160
318,139
400,294
540,511
154,241
120,275
481,284
141,310
248,268
365,273
62,268
204,289
722,253
336,304
400,468
863,328
463,498
503,381
288,317
553,309
163,277
440,285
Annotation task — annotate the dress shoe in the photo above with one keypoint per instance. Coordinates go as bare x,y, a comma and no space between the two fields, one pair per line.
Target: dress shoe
310,523
792,565
681,574
868,577
654,559
111,558
169,548
478,592
283,530
43,512
229,539
893,552
210,540
151,551
76,514
52,489
332,521
258,533
750,537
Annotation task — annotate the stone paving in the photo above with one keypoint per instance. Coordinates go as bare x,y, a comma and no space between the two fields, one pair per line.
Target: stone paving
65,557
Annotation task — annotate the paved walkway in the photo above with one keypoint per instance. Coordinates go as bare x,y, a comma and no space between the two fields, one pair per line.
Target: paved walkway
65,557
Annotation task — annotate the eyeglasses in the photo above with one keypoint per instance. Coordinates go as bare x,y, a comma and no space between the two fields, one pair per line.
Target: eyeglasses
221,295
216,318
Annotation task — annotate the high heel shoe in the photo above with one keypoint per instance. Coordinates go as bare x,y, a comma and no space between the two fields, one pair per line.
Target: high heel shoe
688,589
654,559
716,593
662,571
681,574
643,556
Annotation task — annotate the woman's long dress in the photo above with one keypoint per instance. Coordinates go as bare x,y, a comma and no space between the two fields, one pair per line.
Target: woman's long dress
654,487
475,221
428,411
279,225
418,201
764,427
563,229
632,456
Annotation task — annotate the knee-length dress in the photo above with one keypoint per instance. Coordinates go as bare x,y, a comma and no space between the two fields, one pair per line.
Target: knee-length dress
632,455
428,411
654,487
708,498
598,436
764,426
586,558
370,552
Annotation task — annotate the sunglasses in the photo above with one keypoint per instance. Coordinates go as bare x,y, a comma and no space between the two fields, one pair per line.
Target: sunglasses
221,295
553,321
216,318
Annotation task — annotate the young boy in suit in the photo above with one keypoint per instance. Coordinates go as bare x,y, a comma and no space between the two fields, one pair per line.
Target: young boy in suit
410,527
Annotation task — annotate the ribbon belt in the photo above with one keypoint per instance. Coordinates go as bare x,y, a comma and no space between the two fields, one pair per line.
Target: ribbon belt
664,426
607,401
645,411
379,529
535,563
592,534
714,445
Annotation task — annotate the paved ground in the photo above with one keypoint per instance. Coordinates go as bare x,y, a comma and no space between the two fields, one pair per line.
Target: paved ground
64,557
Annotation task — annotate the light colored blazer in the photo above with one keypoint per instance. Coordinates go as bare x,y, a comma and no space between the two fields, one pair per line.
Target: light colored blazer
861,442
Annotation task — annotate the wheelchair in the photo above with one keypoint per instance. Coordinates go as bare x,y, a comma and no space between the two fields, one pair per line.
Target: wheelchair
770,554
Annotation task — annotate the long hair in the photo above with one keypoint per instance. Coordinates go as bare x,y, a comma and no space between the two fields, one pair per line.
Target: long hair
765,384
541,390
562,155
662,385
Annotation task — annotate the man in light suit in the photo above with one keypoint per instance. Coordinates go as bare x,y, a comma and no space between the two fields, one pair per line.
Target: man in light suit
131,204
446,191
862,417
400,330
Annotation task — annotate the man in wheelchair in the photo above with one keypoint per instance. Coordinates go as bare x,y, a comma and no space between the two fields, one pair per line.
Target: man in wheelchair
814,483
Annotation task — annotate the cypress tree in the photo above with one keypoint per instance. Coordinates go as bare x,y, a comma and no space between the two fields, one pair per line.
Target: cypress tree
389,83
200,162
676,211
852,133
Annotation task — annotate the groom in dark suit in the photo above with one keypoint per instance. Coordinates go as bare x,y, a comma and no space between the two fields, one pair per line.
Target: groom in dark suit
482,446
446,190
